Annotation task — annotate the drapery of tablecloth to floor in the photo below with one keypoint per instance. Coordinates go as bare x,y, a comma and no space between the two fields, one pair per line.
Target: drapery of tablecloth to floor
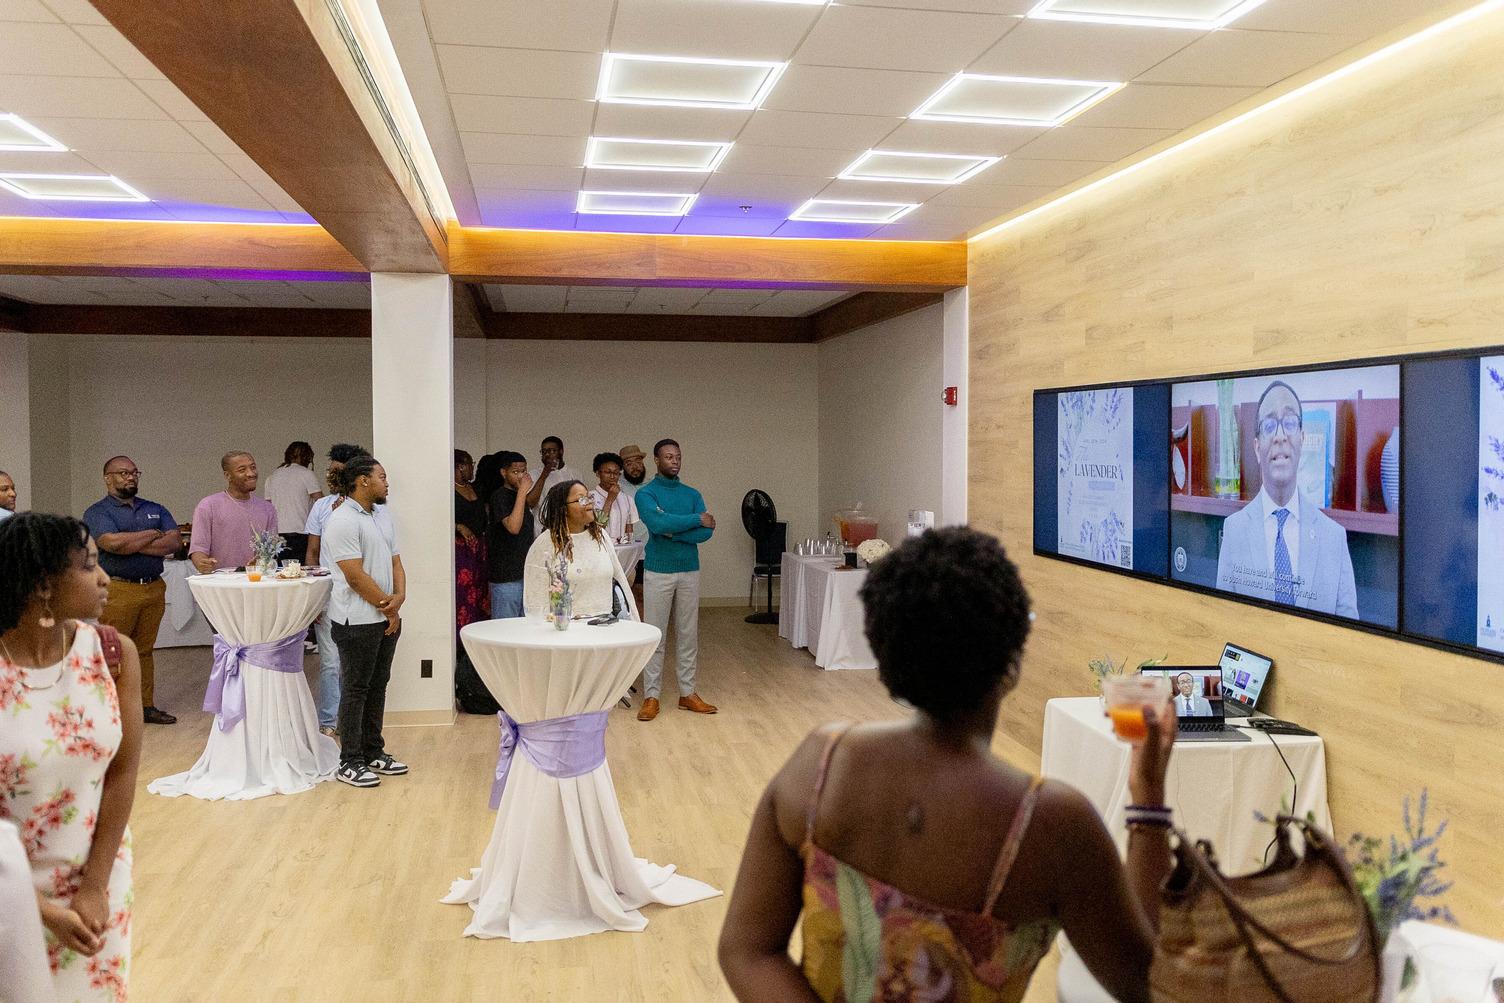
560,863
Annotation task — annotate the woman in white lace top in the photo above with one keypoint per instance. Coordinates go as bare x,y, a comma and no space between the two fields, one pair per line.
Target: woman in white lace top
570,528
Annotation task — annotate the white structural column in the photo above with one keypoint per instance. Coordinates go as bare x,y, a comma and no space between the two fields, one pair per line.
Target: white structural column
412,405
15,413
953,424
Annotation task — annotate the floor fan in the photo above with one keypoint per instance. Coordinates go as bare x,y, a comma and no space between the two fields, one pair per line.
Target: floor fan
769,538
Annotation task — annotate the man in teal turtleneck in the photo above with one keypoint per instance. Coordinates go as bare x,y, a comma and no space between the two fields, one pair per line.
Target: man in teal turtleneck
677,523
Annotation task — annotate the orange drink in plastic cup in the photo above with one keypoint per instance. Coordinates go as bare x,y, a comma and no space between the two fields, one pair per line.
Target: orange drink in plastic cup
1126,697
253,574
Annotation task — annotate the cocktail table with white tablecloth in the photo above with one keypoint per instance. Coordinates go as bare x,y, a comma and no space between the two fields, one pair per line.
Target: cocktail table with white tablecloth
265,738
1214,788
183,623
559,863
628,555
821,610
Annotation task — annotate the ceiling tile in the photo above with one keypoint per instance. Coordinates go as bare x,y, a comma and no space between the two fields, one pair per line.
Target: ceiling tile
529,116
49,50
518,200
668,296
955,217
25,10
905,230
38,98
704,309
530,299
212,137
1244,58
568,25
837,90
701,125
607,293
1078,142
76,11
535,73
597,306
844,231
172,100
517,218
797,302
725,225
751,297
1162,106
816,130
767,193
229,191
997,198
746,158
45,162
33,288
1349,20
720,30
754,211
115,47
1015,7
507,148
1014,171
896,39
958,137
105,135
163,166
879,191
681,183
515,176
1075,51
345,295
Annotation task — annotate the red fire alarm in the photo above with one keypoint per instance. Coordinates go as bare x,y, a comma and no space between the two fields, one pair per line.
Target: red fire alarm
951,395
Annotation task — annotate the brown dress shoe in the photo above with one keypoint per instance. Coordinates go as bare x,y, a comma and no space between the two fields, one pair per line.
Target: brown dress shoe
694,703
649,709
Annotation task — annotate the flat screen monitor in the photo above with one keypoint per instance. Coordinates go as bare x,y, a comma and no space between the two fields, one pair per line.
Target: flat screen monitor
1243,675
1284,489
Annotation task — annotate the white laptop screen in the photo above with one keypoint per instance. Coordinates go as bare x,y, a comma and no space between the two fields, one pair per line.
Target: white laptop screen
1197,691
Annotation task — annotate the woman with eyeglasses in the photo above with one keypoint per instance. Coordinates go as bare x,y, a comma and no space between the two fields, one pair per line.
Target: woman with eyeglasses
572,535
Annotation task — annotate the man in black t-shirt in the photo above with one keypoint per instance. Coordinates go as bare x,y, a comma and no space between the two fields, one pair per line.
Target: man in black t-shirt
509,534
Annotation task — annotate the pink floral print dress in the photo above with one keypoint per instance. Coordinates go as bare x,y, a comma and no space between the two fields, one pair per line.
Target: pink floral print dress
56,743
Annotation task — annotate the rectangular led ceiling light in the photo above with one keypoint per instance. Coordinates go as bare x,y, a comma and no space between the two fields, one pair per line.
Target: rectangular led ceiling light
916,168
70,187
989,100
634,203
1201,15
845,211
17,134
654,155
686,82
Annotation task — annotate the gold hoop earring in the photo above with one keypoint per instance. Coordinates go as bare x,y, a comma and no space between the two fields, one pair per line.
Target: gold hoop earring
47,621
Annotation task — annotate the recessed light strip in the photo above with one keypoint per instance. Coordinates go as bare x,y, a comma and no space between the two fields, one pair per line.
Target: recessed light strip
43,142
812,212
854,172
1046,12
15,182
1103,89
1393,49
609,62
596,155
612,203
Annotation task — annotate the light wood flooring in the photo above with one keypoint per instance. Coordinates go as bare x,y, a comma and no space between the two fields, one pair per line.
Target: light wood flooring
332,895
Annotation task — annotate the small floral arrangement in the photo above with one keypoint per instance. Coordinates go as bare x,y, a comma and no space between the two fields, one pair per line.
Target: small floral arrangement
265,546
1400,880
1103,667
560,592
873,550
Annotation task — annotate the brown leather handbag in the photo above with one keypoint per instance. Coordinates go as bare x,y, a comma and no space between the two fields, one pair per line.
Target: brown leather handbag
1296,932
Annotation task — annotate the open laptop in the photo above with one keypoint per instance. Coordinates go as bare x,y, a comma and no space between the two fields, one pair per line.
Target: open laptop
1244,673
1197,693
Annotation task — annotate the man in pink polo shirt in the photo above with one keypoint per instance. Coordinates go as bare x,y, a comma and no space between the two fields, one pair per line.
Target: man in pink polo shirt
223,522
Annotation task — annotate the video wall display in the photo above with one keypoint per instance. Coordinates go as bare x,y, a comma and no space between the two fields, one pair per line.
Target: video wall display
1284,488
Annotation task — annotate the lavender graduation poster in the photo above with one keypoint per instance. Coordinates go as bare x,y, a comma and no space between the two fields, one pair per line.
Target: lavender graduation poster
1095,476
1491,504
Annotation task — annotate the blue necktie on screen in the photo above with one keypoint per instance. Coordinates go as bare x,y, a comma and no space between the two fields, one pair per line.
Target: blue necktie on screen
1284,574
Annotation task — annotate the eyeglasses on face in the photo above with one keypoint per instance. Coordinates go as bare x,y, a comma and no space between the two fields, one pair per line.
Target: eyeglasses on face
127,474
1270,424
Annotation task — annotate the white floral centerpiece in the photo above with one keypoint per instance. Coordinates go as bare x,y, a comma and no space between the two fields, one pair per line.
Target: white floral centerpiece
873,550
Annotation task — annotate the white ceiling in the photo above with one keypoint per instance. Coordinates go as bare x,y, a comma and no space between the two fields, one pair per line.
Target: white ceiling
507,98
619,299
64,69
90,290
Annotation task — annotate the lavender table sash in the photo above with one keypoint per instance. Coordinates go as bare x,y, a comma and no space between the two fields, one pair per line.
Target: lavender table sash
561,747
226,693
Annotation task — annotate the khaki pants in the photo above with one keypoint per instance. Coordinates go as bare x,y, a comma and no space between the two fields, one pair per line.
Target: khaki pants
136,611
676,595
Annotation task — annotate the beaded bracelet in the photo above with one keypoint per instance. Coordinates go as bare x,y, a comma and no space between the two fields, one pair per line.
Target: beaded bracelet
1157,816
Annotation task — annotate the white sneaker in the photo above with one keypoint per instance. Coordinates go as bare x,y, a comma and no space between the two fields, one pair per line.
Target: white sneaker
386,764
357,776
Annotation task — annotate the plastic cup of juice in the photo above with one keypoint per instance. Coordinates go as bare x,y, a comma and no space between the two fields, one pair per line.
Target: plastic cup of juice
253,574
1126,698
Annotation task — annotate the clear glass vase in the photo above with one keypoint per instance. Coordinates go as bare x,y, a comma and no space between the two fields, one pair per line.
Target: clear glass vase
562,608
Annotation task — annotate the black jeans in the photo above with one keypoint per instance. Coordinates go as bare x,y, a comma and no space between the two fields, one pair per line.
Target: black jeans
365,666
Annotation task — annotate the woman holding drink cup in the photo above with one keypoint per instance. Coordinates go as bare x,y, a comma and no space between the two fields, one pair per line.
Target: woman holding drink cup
953,869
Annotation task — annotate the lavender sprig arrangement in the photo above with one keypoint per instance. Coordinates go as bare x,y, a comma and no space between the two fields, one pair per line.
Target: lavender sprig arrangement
1400,881
559,589
265,546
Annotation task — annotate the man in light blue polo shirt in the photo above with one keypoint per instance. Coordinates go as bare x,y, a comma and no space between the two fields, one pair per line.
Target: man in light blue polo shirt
365,614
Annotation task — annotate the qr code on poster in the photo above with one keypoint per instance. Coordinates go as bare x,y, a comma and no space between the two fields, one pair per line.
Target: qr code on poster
1125,555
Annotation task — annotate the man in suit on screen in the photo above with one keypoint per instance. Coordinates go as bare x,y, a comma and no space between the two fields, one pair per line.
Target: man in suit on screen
1281,547
1189,703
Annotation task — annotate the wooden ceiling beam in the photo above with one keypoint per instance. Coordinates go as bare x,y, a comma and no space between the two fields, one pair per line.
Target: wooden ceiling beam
282,80
199,321
47,246
574,257
863,309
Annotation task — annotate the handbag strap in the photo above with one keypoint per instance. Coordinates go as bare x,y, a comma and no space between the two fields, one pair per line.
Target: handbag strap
1243,920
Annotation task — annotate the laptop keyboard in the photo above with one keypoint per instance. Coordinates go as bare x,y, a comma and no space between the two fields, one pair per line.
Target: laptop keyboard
1202,726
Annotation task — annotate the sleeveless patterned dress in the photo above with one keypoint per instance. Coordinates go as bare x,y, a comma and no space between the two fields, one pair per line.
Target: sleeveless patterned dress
868,942
56,743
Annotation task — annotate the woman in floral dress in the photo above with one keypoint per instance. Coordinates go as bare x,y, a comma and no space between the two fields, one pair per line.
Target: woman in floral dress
68,756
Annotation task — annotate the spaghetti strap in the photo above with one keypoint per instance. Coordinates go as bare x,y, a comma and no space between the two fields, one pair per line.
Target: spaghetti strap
814,801
1009,852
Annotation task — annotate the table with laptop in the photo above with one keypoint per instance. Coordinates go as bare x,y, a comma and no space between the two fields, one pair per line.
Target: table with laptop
1231,765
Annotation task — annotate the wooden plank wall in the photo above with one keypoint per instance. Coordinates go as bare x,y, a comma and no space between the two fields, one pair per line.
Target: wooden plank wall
1363,221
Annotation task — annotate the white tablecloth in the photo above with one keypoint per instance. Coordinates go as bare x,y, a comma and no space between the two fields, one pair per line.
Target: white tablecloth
1414,937
277,749
820,610
628,554
559,863
184,624
1214,787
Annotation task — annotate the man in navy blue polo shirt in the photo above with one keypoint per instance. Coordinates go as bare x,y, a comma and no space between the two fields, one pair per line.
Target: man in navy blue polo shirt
134,535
